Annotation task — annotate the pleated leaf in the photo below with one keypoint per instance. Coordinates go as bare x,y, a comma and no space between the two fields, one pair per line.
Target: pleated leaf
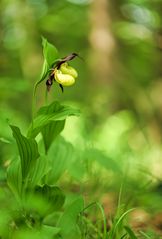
51,113
51,131
28,150
14,177
37,172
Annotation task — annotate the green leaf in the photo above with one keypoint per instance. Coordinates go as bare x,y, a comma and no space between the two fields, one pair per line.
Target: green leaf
51,131
14,177
38,171
118,222
5,218
45,71
49,51
53,196
68,221
59,155
45,232
28,150
130,232
36,204
48,114
49,231
50,54
25,233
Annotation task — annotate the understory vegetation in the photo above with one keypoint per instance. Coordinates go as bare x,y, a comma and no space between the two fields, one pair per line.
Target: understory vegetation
80,119
58,188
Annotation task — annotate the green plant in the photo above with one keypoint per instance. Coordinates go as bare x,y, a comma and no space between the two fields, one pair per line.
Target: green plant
31,176
37,207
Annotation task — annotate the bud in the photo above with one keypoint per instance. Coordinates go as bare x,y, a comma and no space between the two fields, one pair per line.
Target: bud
66,69
64,79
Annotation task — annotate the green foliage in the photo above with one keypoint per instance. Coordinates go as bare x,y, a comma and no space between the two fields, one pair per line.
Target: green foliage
49,232
50,54
119,90
60,156
39,208
130,232
50,121
118,224
14,177
68,221
28,151
32,175
51,131
43,233
52,195
30,168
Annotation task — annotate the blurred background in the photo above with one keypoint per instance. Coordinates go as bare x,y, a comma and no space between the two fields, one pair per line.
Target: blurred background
118,89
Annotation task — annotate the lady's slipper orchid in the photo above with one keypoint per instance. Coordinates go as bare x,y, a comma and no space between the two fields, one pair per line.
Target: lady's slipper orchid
62,73
66,69
64,79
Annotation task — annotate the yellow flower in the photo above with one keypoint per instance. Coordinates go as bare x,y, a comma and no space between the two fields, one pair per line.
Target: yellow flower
66,69
65,75
64,79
